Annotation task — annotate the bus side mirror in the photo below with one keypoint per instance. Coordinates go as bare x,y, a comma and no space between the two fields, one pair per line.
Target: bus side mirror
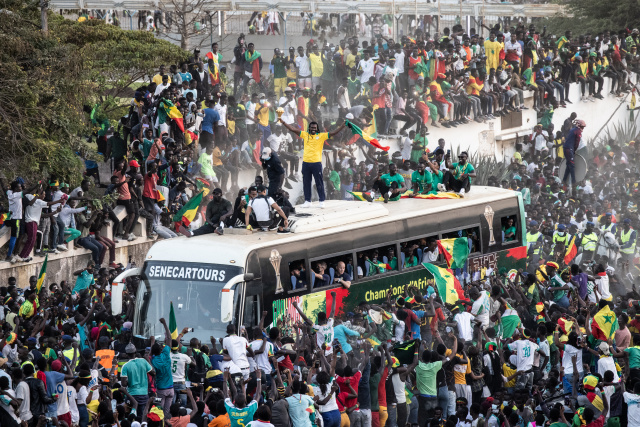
248,277
117,287
226,305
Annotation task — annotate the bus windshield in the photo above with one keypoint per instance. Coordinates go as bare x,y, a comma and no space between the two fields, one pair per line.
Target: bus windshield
195,290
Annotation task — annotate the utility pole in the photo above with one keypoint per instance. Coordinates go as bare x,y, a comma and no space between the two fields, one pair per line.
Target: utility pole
44,4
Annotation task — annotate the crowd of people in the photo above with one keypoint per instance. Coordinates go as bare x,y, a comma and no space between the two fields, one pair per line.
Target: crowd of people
414,360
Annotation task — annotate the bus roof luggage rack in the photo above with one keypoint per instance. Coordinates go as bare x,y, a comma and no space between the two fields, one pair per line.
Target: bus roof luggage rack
336,213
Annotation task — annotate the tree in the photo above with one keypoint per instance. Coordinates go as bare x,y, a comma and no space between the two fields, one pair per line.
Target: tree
47,78
594,16
187,15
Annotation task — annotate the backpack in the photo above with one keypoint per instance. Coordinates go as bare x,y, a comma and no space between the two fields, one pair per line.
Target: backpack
198,373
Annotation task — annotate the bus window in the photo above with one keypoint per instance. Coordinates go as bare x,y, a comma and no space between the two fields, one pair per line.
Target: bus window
336,268
509,229
473,233
376,261
415,252
298,274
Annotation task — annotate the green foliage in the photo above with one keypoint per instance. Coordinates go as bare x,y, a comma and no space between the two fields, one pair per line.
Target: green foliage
593,16
46,80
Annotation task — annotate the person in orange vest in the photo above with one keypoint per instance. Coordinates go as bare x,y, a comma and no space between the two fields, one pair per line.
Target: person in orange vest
106,355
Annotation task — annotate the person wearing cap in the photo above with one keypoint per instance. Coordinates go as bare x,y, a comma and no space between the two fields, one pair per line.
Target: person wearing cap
280,144
608,225
560,238
275,172
627,240
134,376
312,160
557,285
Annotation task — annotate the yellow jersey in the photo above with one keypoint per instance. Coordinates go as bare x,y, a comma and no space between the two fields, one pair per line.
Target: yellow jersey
313,145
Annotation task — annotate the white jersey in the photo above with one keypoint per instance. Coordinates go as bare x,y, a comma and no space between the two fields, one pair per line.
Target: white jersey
179,362
525,352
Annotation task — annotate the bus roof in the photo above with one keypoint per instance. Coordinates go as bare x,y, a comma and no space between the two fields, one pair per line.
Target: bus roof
338,216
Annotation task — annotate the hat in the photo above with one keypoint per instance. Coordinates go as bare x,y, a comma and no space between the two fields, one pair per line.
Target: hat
266,153
127,326
634,31
593,54
155,414
552,264
213,373
627,221
67,338
442,76
12,338
217,190
292,84
533,223
349,116
490,346
130,348
540,306
134,163
590,223
562,227
604,348
262,95
462,400
32,340
56,365
288,89
590,381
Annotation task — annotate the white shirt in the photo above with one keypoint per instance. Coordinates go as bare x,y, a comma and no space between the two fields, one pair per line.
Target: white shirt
179,362
405,148
398,388
261,207
251,112
465,331
525,351
63,399
222,111
481,308
289,115
331,405
324,335
15,204
72,395
399,61
303,65
22,392
34,212
56,196
82,395
7,407
276,141
160,88
430,257
570,351
66,213
603,286
540,140
262,359
633,408
513,46
608,364
237,348
367,68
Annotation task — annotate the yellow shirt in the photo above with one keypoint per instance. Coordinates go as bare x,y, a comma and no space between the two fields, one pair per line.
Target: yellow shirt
216,157
157,79
263,116
507,371
313,146
459,371
316,65
350,62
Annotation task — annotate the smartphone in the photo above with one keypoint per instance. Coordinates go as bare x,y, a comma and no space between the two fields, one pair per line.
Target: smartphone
105,388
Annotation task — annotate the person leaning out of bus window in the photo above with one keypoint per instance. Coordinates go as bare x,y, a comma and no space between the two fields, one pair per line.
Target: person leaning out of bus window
261,206
321,278
509,231
458,178
300,274
341,276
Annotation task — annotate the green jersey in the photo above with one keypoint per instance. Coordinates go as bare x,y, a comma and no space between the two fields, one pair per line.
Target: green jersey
460,169
279,70
423,180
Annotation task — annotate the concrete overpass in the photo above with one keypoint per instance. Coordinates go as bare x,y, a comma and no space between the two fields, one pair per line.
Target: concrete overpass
397,7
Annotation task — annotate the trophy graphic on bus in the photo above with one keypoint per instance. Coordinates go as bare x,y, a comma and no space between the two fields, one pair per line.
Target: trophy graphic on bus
275,259
488,214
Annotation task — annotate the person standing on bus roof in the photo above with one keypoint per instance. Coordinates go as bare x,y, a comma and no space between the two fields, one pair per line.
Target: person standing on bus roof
324,328
312,160
237,347
459,180
275,172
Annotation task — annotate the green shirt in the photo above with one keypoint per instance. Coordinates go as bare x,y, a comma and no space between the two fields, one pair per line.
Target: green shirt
334,177
421,179
279,71
328,67
634,357
118,146
426,377
389,179
136,372
374,381
146,147
508,231
206,165
557,282
240,114
460,169
435,180
353,87
416,155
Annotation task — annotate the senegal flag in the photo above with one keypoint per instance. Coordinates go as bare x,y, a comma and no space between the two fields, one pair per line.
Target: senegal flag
448,286
455,251
42,275
360,196
189,210
189,137
571,252
173,325
166,110
604,324
561,42
371,140
565,325
405,351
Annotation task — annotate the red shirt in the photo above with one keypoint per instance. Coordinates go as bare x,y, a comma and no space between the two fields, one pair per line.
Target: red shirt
413,61
123,190
434,321
344,388
598,422
150,186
